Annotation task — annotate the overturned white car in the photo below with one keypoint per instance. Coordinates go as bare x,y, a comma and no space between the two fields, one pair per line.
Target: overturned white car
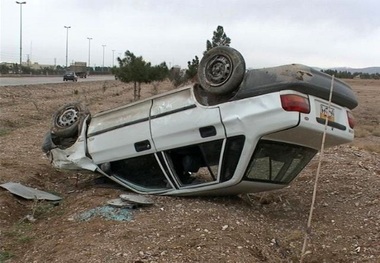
233,132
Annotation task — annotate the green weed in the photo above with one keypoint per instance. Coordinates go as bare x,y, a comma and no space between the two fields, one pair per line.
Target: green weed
3,132
19,232
5,255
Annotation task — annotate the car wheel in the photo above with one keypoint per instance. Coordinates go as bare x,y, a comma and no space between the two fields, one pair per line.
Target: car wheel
221,70
68,118
47,144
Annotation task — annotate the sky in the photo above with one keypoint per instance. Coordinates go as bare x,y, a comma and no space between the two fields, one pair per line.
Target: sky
317,33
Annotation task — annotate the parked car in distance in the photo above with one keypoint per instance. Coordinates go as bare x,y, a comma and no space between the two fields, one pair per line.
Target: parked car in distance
233,132
70,76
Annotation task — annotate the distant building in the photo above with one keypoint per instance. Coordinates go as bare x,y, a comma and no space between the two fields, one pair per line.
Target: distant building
12,68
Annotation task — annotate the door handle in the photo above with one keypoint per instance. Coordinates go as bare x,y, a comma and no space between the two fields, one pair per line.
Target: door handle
207,131
142,146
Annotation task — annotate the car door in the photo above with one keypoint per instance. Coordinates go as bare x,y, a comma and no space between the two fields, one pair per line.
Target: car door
120,133
177,121
184,131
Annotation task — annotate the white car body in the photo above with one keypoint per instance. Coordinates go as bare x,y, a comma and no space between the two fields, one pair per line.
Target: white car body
247,143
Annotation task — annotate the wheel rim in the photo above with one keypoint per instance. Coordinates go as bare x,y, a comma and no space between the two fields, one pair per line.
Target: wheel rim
218,70
68,117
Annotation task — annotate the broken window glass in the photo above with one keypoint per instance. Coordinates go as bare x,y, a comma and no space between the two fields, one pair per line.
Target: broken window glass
195,164
232,152
141,172
277,162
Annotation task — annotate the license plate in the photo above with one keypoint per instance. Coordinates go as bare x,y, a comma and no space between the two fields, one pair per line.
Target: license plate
327,113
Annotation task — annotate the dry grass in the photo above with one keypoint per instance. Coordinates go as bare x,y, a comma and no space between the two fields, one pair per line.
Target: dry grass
376,131
366,137
371,147
367,114
361,132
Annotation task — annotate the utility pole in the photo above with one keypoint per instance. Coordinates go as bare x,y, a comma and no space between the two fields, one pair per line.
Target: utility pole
20,3
67,43
89,50
113,53
103,57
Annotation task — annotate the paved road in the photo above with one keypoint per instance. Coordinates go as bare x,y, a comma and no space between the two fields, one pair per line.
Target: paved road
12,81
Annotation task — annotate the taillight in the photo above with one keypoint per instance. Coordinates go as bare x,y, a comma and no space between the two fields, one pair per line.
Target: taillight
351,119
294,102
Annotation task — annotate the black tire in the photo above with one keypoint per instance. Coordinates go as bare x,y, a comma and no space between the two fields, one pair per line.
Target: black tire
68,119
47,143
221,70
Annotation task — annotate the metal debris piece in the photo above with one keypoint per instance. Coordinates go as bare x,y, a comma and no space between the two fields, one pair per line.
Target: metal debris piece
28,192
29,218
136,199
118,202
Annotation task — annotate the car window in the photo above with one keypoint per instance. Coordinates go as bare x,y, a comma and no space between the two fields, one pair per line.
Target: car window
142,173
231,157
195,164
277,162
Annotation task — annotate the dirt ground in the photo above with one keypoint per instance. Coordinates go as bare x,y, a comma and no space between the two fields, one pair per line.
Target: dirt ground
268,227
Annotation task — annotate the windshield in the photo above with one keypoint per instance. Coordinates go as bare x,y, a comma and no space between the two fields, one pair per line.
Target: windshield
277,162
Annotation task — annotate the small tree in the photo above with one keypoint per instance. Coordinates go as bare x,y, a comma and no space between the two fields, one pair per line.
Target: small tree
177,76
219,39
132,69
158,73
192,68
137,70
4,69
